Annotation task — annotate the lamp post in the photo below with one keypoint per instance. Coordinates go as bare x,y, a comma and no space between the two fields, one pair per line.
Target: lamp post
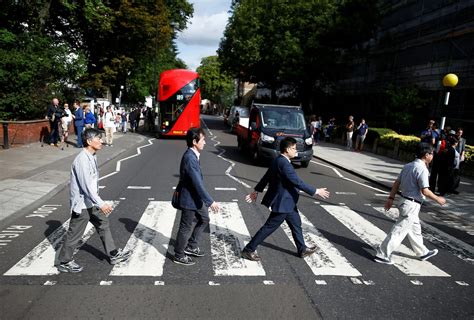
449,81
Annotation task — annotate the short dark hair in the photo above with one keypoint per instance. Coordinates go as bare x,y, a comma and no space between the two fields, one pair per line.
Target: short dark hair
423,148
194,134
286,143
89,134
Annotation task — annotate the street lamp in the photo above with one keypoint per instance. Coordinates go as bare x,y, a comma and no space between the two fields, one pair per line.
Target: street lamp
449,81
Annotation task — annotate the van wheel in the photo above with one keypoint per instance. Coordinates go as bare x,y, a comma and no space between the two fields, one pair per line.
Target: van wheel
304,164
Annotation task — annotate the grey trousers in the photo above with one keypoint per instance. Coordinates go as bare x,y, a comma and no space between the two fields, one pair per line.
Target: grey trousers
77,226
187,235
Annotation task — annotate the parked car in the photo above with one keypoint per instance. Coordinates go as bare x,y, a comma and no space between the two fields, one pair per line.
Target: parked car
242,120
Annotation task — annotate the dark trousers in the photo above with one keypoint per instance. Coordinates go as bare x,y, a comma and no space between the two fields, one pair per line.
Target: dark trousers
54,135
187,235
79,130
77,226
273,222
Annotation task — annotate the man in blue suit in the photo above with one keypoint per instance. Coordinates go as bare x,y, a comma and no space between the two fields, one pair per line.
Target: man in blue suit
192,196
78,122
281,198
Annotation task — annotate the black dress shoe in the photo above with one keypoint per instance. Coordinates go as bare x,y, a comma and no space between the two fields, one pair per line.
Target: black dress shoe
250,255
308,251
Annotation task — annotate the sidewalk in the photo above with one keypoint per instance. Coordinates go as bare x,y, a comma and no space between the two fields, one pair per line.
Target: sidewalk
383,171
30,172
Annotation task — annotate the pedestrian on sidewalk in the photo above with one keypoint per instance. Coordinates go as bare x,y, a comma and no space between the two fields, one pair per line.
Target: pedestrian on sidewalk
84,194
65,121
109,126
193,201
413,186
282,197
349,132
89,120
54,115
78,122
362,131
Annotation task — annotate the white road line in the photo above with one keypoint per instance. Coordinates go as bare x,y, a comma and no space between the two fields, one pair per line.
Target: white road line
119,162
40,261
330,167
222,151
225,189
327,260
373,236
346,193
139,187
229,235
441,239
149,242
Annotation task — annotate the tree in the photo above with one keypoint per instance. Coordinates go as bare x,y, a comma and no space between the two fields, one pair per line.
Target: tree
403,102
299,43
59,48
216,86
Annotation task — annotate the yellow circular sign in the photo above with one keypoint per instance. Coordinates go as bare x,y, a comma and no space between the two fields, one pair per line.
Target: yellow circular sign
450,80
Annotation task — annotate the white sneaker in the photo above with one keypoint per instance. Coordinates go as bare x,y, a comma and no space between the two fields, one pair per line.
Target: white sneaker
430,254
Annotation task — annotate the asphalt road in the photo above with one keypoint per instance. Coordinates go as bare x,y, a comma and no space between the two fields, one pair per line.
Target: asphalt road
343,282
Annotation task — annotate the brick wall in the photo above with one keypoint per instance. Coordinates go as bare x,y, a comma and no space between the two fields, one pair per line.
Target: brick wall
24,132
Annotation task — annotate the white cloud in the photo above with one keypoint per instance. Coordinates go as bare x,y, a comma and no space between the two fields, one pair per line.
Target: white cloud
204,31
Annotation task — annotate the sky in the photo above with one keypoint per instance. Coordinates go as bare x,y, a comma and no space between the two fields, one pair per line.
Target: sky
205,29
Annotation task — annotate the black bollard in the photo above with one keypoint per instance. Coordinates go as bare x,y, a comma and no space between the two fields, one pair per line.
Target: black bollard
6,145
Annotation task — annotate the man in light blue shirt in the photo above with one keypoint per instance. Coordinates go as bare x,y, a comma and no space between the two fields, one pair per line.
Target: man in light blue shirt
413,186
84,194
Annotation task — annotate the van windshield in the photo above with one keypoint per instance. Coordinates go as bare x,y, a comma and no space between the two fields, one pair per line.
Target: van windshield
283,119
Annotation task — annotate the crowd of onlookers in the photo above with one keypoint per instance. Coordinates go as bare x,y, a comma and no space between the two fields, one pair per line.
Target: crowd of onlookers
109,118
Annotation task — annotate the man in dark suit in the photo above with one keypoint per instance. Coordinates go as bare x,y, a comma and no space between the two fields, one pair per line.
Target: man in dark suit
192,196
281,198
78,122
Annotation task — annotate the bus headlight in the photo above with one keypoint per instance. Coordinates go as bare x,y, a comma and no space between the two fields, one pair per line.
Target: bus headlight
266,138
309,141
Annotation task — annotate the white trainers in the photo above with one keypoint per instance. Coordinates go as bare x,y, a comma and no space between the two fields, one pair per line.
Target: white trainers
382,260
120,256
430,254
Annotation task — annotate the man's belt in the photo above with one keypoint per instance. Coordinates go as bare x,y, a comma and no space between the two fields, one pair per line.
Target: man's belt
411,199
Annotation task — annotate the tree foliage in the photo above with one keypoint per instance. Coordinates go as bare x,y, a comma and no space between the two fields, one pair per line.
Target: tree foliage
64,47
298,43
215,85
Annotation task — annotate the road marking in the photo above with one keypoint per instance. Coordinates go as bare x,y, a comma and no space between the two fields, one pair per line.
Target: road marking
225,189
268,282
462,283
346,193
229,235
119,162
50,283
40,261
325,165
139,187
373,236
355,280
213,283
105,283
441,239
416,282
159,283
327,260
320,282
222,151
149,242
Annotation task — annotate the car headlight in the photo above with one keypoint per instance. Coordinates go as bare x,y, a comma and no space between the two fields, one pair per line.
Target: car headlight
309,141
266,138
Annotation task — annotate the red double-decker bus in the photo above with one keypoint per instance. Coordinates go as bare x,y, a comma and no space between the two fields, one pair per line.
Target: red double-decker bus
179,99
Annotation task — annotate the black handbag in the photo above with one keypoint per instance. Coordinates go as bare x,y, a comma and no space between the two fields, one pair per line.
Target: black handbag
176,195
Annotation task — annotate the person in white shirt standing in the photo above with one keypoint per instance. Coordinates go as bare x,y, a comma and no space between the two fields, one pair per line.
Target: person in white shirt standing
109,126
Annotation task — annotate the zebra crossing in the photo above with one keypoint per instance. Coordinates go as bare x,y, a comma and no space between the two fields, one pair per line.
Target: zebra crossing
228,235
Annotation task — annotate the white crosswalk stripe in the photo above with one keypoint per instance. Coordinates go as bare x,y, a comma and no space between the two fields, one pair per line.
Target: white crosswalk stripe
149,242
229,235
327,260
373,236
40,261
